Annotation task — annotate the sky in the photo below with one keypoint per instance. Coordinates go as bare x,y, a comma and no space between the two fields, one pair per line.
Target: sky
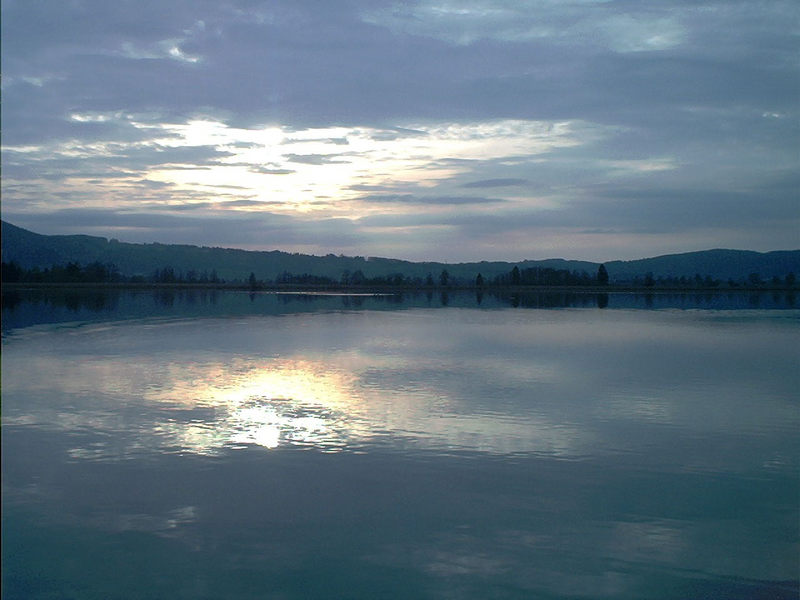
423,130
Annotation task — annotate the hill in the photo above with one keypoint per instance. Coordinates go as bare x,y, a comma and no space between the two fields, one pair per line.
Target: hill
32,250
720,264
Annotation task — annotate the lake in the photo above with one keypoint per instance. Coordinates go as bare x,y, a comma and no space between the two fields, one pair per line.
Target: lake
219,444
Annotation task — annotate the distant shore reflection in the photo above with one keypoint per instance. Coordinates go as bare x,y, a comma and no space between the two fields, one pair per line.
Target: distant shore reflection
25,307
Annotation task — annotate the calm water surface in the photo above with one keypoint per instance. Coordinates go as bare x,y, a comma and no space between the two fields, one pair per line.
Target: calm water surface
226,445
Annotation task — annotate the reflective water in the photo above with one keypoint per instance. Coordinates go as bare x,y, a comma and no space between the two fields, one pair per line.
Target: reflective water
376,447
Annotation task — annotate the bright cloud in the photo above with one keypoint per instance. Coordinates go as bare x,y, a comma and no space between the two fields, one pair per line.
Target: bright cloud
315,169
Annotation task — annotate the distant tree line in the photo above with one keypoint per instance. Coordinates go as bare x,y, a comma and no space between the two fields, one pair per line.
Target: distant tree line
97,272
543,276
753,280
72,272
170,275
358,279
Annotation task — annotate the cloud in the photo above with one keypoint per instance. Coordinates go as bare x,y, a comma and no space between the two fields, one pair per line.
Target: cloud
492,183
315,159
340,141
667,117
585,23
363,187
395,133
426,200
269,171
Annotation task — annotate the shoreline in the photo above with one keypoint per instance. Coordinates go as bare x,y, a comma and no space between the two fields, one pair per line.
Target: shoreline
389,289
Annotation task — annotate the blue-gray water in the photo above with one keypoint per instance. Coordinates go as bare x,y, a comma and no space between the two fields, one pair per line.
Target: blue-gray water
226,445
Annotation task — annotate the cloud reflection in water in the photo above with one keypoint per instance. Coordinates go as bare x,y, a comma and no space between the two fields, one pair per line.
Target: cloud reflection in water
430,445
566,384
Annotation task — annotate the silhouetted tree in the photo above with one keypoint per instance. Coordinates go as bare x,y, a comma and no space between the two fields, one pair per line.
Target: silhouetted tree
648,280
73,271
252,281
479,281
515,276
357,278
165,275
98,272
11,272
444,277
602,275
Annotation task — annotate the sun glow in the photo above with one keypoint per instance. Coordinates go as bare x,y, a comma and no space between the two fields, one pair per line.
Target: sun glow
327,169
325,172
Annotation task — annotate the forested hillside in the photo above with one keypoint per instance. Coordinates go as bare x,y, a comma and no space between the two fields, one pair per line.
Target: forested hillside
168,263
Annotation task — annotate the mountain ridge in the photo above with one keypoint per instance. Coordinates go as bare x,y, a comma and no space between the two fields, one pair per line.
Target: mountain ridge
33,250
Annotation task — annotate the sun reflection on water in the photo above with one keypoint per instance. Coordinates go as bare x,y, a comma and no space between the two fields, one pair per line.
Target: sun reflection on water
162,391
332,404
302,403
264,425
283,402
